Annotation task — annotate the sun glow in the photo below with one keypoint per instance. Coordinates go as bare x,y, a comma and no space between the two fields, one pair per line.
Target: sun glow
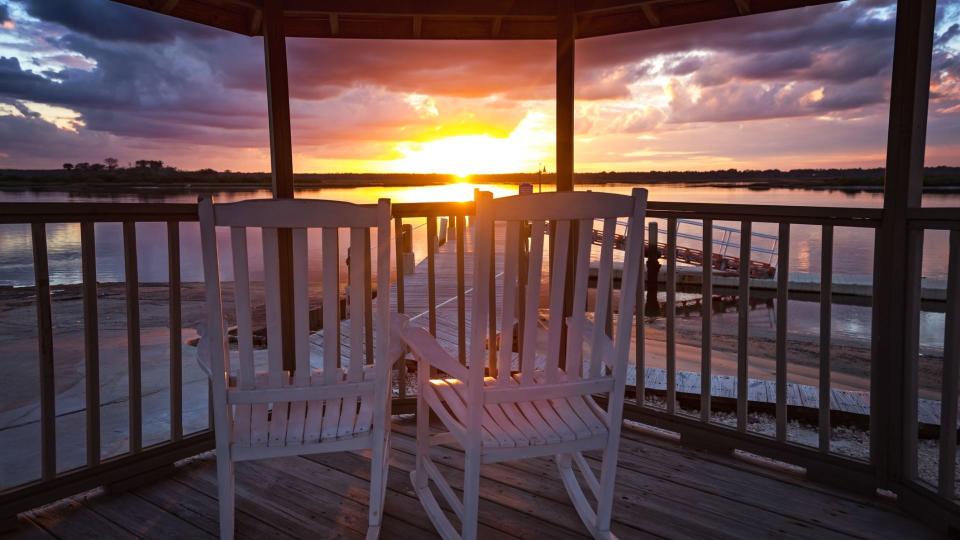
524,149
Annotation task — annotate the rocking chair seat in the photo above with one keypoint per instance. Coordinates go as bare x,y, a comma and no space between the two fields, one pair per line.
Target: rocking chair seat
535,422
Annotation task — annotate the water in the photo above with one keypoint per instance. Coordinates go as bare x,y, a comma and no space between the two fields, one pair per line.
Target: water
853,251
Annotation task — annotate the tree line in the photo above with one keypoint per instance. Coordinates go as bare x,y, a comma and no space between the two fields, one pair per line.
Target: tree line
113,164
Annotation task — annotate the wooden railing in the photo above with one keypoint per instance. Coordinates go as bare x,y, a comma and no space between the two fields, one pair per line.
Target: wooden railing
138,460
701,429
693,421
932,497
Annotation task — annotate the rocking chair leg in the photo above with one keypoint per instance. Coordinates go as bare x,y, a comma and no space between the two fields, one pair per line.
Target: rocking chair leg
471,494
225,494
608,471
378,484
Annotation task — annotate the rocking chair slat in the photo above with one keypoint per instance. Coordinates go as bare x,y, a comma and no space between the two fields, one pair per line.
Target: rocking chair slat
532,302
301,308
558,287
578,318
510,271
331,328
271,279
601,314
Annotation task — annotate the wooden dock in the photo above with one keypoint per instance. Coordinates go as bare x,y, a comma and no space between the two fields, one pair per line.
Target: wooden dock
663,490
848,407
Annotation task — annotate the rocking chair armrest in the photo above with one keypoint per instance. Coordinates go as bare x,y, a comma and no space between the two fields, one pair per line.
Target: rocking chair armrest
397,348
426,349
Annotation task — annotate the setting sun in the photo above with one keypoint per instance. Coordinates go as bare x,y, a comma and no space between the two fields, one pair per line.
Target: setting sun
524,149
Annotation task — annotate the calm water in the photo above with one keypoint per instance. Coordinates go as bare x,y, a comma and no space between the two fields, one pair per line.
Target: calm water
853,255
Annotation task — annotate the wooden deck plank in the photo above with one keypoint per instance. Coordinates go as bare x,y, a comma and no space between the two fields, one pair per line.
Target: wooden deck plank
27,529
826,507
300,518
71,519
143,518
638,494
663,489
201,509
402,501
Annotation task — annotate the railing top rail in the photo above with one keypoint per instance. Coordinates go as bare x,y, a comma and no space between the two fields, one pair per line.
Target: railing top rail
696,223
63,212
52,212
856,217
934,218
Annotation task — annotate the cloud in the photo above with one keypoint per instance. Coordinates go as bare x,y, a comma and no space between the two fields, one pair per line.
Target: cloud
115,22
144,82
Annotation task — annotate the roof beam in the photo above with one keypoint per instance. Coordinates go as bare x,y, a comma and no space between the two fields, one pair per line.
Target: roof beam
489,8
497,23
650,14
168,6
256,22
417,25
334,24
743,6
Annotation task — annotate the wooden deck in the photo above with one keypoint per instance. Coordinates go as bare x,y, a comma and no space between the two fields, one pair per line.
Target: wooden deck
663,490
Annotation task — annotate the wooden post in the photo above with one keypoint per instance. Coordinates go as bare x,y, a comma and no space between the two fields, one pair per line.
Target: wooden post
893,377
281,156
566,40
566,31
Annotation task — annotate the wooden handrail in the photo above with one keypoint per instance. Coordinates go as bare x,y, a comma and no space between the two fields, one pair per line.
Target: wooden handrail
59,212
68,212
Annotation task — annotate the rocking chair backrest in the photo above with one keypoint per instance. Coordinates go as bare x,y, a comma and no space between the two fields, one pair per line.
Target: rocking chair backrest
297,215
554,218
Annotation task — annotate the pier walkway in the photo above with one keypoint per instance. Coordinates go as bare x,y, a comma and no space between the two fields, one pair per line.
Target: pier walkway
848,407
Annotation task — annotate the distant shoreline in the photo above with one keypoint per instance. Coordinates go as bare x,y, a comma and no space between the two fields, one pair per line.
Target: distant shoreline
167,180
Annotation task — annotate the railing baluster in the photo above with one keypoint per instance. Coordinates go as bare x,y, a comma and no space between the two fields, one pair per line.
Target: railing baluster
432,273
826,305
743,320
671,315
911,340
91,341
176,339
398,240
706,311
398,257
48,419
461,292
641,307
783,274
133,335
951,369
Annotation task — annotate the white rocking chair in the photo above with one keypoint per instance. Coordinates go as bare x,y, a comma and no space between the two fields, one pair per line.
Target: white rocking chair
544,409
263,411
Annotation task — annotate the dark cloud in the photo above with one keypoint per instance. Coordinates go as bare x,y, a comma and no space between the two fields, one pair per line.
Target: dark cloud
115,22
4,13
141,76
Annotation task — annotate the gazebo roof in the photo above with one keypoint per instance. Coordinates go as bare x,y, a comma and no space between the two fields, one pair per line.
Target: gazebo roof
458,19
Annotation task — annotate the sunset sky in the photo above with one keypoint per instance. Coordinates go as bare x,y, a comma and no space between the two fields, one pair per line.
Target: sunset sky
81,80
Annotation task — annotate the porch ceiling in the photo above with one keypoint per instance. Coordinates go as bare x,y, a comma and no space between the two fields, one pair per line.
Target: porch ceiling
458,19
